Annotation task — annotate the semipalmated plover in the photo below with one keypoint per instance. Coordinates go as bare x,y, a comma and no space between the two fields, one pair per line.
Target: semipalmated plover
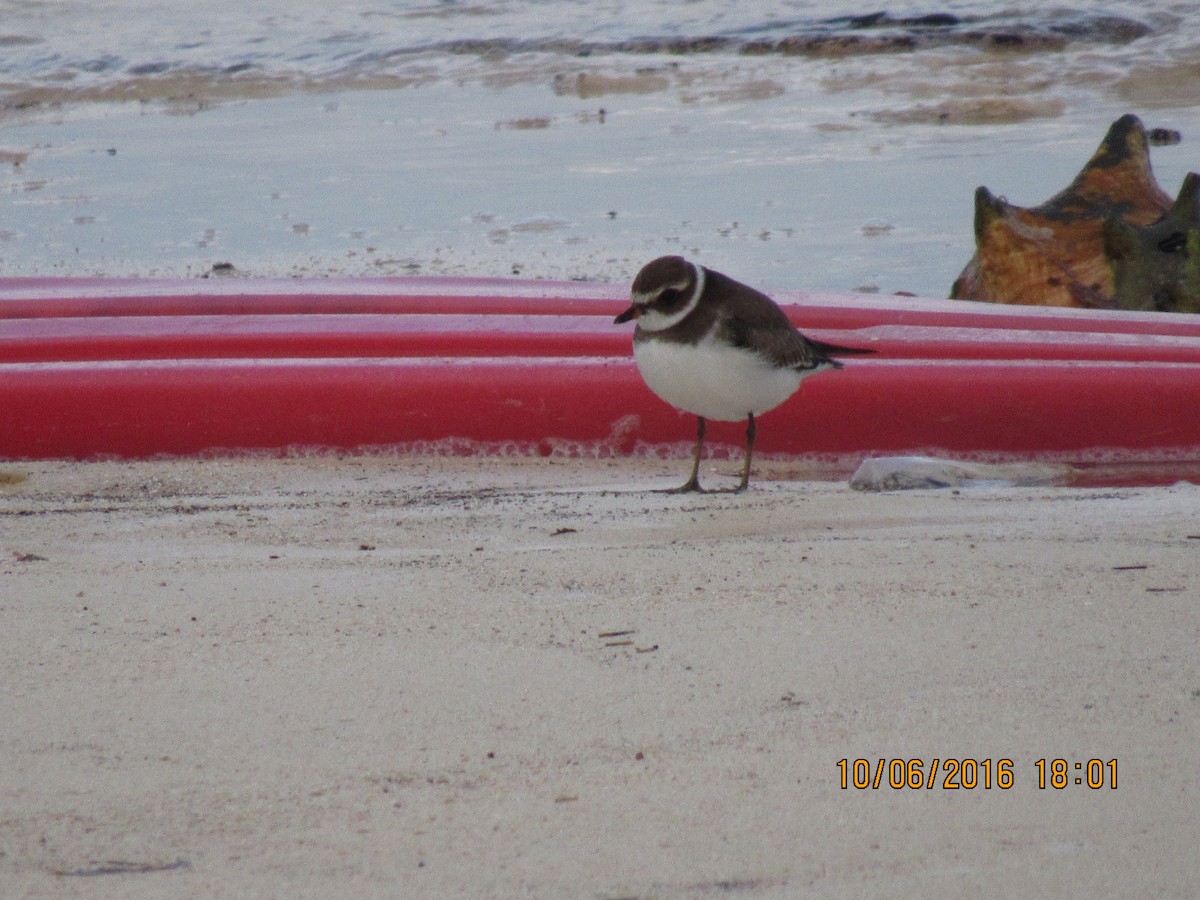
717,348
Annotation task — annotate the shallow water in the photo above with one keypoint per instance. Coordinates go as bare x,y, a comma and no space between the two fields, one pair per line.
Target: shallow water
89,43
785,143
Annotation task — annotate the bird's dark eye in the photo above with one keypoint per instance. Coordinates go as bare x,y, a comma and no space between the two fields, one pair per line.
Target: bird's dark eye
668,297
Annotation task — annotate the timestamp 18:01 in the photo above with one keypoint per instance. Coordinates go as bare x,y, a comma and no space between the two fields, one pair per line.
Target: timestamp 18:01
969,774
1092,773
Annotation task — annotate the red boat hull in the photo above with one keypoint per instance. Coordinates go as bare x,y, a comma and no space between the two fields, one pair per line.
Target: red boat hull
93,368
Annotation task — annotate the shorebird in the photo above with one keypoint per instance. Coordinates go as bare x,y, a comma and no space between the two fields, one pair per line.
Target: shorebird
718,349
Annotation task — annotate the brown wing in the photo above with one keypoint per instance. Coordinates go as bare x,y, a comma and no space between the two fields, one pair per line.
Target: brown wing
754,321
785,349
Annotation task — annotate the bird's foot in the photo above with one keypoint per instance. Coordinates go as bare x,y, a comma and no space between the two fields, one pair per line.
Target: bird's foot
692,486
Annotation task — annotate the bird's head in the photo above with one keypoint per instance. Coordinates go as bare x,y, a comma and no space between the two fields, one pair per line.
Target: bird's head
664,291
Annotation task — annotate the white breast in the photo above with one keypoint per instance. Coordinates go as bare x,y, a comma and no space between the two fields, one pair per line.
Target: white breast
713,379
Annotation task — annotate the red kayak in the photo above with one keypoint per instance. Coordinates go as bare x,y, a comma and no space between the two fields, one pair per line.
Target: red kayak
93,368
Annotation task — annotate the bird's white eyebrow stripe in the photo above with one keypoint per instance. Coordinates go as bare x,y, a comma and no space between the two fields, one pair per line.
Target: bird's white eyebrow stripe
646,298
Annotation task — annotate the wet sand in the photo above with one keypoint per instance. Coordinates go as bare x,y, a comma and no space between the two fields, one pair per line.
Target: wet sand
491,678
788,173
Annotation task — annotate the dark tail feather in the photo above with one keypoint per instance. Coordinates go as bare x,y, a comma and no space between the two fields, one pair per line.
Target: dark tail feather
829,351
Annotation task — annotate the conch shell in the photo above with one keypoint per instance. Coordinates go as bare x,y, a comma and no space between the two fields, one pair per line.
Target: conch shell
1112,239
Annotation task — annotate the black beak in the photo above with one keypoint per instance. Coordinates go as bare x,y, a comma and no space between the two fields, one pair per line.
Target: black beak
632,313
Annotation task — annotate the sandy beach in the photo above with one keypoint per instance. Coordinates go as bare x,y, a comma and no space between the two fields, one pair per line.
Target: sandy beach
412,677
400,677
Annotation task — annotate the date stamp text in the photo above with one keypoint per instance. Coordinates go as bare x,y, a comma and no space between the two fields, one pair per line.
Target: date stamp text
967,774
